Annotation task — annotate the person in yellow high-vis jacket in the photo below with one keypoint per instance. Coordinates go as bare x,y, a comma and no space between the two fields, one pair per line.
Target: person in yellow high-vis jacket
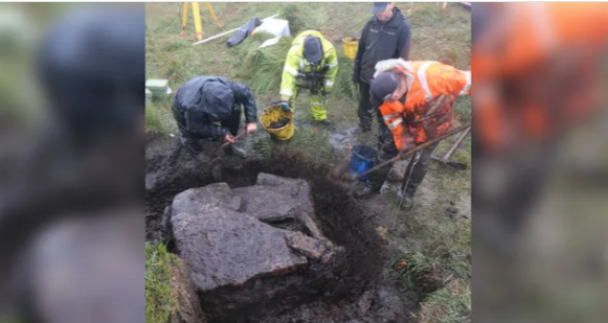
311,64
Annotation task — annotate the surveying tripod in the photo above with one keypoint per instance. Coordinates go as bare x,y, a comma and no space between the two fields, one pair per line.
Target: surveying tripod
196,14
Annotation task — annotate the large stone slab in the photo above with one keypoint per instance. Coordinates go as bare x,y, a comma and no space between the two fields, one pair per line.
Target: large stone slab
240,260
200,199
297,189
226,248
267,204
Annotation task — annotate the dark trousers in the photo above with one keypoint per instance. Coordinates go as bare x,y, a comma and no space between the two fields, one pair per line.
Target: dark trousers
193,143
387,150
366,110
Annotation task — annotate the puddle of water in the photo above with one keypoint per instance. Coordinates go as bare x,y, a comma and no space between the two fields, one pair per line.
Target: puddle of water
343,139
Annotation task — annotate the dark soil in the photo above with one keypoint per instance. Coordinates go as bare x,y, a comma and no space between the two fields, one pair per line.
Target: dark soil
352,291
279,123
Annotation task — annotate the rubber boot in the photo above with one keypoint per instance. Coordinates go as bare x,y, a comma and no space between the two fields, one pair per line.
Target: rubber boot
365,127
192,145
407,200
373,184
325,122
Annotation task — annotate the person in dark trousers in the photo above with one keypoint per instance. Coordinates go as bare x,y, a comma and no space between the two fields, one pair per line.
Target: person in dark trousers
414,101
386,35
209,108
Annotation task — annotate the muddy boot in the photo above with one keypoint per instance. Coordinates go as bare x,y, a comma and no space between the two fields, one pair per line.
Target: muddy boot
193,146
365,127
373,185
324,122
407,201
366,192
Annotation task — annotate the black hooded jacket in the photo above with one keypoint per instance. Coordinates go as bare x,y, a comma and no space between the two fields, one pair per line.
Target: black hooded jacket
380,42
202,103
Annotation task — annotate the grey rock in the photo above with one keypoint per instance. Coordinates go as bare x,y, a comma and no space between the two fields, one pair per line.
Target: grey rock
299,192
201,199
298,189
320,250
223,247
267,204
234,203
365,302
390,307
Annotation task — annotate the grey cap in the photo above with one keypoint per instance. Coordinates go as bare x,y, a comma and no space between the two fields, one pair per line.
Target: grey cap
384,84
313,51
379,7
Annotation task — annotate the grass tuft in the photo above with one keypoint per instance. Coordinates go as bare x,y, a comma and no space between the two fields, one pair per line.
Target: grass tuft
263,67
158,117
161,302
451,304
176,45
440,255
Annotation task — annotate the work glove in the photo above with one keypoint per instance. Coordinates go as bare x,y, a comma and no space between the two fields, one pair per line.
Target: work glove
325,92
285,106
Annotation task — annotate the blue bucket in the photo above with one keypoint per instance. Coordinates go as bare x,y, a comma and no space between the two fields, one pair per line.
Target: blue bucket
361,160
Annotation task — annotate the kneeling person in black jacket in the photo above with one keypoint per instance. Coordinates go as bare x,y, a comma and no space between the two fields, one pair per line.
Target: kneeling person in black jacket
209,107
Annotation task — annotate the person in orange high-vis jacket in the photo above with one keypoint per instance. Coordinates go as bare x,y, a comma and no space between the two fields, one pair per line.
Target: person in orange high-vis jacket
414,99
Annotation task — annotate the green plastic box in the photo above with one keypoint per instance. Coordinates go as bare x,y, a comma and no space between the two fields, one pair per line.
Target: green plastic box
159,88
148,96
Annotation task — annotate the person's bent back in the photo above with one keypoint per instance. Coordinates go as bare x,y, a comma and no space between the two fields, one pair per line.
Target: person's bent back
209,107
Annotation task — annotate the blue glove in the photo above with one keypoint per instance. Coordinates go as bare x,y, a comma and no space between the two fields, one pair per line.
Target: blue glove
285,106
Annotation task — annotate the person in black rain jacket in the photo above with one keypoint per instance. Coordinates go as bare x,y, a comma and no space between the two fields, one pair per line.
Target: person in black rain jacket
386,35
209,107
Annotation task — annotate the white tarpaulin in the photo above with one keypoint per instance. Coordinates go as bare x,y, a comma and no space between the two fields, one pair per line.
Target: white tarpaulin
277,27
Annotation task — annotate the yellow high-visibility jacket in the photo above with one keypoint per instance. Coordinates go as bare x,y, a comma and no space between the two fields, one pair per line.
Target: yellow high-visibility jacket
296,63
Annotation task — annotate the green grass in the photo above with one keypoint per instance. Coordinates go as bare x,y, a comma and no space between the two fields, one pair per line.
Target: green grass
451,304
159,118
161,302
442,253
438,268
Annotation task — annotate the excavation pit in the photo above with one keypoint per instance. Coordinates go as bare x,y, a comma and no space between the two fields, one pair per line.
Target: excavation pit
296,284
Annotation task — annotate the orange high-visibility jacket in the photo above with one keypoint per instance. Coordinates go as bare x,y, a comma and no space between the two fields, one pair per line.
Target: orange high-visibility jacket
524,42
426,111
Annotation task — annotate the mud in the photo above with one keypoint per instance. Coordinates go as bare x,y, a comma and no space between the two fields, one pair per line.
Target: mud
351,290
279,124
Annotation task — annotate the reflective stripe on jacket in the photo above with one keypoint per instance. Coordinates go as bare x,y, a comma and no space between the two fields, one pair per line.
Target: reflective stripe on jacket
296,63
427,110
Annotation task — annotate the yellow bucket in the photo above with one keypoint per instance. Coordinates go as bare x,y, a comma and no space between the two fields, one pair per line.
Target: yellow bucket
274,114
350,47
